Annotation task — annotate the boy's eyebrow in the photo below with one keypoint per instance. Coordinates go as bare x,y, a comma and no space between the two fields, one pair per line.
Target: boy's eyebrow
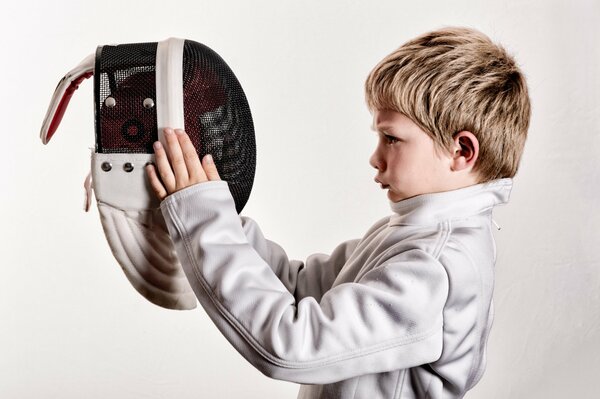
381,128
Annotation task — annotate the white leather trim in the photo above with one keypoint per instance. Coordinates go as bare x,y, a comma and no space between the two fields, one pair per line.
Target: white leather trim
169,85
119,188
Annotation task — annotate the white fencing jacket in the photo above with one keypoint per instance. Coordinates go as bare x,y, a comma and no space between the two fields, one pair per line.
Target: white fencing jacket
403,312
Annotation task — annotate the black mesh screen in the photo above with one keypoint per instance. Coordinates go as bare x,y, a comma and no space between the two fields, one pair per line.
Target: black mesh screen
218,119
216,113
124,77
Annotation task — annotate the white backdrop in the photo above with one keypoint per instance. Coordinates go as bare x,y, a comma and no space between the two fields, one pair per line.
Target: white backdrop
71,326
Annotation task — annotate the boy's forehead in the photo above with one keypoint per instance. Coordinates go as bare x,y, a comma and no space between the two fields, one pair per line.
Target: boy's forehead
385,119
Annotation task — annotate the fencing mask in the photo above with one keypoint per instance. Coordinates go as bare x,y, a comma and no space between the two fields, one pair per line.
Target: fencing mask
139,89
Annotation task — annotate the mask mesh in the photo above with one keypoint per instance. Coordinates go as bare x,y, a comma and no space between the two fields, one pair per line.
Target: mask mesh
125,76
218,119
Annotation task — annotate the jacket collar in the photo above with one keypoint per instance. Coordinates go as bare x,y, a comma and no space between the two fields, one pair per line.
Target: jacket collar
432,208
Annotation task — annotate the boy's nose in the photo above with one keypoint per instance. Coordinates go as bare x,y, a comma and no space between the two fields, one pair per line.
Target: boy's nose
376,161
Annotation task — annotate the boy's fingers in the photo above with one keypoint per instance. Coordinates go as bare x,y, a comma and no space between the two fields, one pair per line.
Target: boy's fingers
155,183
210,168
164,168
176,157
190,157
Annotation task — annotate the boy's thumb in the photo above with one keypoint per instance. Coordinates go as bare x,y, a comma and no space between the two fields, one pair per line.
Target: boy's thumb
210,168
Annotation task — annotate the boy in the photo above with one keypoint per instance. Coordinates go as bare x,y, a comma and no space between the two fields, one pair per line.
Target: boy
405,311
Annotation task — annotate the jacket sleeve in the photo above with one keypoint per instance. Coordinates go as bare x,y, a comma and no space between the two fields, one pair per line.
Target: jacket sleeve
302,279
390,319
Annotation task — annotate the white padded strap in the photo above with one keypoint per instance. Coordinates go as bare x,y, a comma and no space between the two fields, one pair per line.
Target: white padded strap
169,85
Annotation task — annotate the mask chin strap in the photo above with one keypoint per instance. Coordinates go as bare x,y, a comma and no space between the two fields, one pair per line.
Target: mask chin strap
87,186
62,95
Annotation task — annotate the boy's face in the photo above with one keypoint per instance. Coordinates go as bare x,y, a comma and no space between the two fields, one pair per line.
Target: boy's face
406,159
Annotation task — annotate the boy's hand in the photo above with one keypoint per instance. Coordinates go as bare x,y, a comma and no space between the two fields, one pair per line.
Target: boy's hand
179,166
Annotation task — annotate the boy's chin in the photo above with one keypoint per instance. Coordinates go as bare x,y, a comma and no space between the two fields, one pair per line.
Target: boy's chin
394,197
397,197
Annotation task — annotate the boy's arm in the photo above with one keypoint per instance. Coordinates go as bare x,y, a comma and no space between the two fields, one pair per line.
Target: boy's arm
391,319
310,278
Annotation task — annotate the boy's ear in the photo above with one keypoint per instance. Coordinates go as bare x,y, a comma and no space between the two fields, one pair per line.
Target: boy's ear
465,151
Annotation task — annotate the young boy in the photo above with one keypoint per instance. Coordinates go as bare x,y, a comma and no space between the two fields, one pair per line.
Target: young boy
405,311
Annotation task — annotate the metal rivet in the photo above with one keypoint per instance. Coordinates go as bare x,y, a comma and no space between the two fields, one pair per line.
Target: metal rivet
128,167
106,166
110,102
148,103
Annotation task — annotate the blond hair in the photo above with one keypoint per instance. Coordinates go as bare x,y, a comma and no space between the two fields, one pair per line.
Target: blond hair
456,79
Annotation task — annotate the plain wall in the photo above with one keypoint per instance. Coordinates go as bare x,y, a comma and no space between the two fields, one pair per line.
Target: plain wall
71,326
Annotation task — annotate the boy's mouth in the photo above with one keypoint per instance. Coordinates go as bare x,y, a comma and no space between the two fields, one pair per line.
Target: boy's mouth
383,186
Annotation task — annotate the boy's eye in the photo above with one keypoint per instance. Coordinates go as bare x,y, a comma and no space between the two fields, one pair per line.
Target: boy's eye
391,139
